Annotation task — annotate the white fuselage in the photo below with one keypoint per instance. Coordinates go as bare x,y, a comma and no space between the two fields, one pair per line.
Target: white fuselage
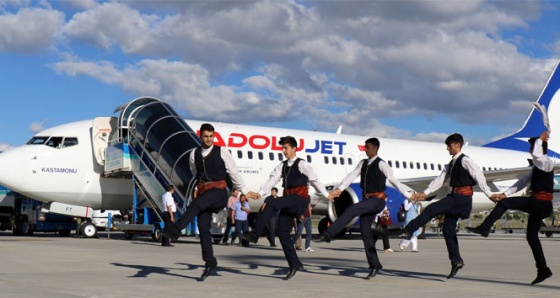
71,175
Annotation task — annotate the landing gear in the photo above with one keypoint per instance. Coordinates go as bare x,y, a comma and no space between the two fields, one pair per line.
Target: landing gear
156,233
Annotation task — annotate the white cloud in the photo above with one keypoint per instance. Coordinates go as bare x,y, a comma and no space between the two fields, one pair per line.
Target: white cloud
29,30
5,147
38,126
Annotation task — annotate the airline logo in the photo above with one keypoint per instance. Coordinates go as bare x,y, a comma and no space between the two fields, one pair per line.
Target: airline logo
59,170
263,142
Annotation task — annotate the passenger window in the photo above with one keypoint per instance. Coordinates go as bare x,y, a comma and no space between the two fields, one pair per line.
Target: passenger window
69,142
432,166
342,160
326,160
439,167
334,160
425,166
271,155
250,154
397,164
309,158
349,161
404,164
261,155
418,166
280,156
390,163
239,154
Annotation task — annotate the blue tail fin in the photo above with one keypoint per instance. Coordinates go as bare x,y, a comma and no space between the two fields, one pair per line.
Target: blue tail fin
550,98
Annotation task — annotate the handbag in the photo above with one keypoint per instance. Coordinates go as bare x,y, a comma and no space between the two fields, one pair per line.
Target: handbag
377,229
401,215
385,221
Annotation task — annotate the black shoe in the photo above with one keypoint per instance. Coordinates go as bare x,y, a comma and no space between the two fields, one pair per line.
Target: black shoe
168,245
273,245
455,266
171,232
251,237
322,238
372,272
293,272
207,270
542,275
478,230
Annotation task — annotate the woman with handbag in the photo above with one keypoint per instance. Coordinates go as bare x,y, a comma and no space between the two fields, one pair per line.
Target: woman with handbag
412,209
384,219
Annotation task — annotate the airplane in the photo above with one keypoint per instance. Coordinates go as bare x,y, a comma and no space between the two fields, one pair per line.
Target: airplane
64,166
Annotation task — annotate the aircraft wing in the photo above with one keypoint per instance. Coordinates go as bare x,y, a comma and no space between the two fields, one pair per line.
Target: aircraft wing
421,183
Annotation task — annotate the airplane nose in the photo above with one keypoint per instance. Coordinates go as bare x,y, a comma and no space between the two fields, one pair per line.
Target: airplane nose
11,168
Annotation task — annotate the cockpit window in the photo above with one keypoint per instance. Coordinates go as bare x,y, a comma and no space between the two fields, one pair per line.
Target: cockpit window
55,142
37,140
69,142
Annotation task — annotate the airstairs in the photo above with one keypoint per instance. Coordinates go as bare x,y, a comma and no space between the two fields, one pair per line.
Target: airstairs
152,144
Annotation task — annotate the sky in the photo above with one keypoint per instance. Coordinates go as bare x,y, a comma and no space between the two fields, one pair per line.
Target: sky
400,69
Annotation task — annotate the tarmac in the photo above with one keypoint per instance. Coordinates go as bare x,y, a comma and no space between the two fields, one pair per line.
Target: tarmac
110,266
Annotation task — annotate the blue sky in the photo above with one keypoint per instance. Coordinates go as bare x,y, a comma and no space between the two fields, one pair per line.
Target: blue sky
403,69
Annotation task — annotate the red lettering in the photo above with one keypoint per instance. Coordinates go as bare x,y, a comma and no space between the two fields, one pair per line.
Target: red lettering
233,143
301,145
362,147
254,144
275,145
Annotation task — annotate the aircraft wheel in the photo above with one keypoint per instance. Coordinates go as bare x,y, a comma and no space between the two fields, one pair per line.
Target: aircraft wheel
89,230
156,233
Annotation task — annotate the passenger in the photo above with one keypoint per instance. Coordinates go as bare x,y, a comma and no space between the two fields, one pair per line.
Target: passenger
210,165
239,217
384,218
412,209
296,175
231,201
374,174
462,174
304,221
271,226
538,205
168,213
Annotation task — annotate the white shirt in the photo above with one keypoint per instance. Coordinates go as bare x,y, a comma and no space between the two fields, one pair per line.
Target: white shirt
231,167
167,200
304,167
384,168
540,160
473,169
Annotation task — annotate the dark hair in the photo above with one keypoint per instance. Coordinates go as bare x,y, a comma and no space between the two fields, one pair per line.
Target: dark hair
275,189
454,138
170,187
206,127
373,141
288,140
544,144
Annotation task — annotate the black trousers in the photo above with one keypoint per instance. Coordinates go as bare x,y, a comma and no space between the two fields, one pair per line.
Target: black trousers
537,210
211,201
453,206
271,227
367,209
290,207
166,222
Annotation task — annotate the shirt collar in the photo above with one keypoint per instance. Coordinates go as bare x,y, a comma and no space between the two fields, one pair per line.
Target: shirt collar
370,160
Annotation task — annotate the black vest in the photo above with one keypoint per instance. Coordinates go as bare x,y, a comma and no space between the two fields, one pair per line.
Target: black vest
211,167
542,181
292,177
371,177
459,176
